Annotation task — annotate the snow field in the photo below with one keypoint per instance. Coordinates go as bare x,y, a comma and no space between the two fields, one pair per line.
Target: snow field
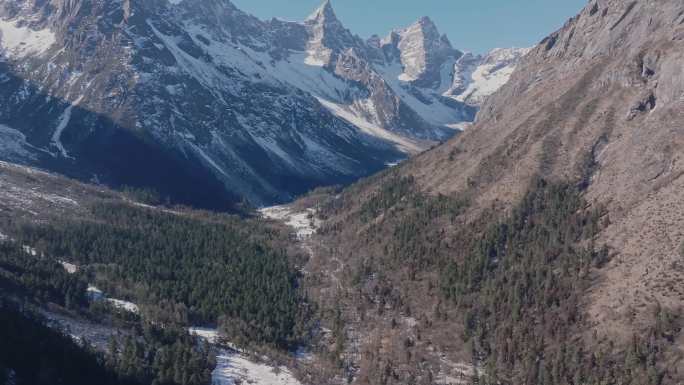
18,41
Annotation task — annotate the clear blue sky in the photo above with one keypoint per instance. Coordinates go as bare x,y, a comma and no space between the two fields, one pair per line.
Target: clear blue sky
472,25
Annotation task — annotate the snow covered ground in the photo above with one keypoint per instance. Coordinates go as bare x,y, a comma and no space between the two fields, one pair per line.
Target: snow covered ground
95,334
64,120
452,373
211,335
346,113
485,75
29,198
304,223
124,305
18,41
95,294
69,267
30,250
233,367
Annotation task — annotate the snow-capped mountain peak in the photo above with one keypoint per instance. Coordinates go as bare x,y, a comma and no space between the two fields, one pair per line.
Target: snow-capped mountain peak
328,37
236,106
323,14
423,50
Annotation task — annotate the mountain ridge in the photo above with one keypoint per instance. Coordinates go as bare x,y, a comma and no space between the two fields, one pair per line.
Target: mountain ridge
215,89
582,170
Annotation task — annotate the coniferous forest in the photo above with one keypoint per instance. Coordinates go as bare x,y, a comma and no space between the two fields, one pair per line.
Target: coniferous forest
182,269
210,268
513,283
34,354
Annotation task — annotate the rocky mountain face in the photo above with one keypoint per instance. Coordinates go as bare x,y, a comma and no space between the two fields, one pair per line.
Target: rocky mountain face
208,104
598,116
478,76
613,87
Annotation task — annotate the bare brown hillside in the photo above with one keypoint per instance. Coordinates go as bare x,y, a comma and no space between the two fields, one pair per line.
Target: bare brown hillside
609,84
599,105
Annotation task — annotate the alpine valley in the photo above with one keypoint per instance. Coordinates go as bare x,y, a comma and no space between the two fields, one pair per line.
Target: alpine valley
209,106
542,245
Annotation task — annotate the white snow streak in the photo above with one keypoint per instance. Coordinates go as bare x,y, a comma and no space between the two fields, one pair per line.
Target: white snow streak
95,294
208,159
63,123
403,144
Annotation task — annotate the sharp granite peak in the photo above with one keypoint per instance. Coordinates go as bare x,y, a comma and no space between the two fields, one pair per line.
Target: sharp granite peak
207,103
323,14
423,52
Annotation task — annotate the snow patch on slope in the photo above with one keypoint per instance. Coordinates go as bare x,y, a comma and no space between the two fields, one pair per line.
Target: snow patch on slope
297,70
124,305
30,250
69,267
300,71
343,112
434,112
204,73
95,294
81,330
211,335
484,82
64,120
479,77
19,42
304,223
233,368
13,143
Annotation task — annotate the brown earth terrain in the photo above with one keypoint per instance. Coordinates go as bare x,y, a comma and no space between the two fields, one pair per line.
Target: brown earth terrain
599,103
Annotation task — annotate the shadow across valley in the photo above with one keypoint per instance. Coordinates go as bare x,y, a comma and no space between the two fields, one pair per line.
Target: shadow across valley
102,151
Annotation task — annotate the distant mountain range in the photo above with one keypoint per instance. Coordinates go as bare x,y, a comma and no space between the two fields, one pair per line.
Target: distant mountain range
209,105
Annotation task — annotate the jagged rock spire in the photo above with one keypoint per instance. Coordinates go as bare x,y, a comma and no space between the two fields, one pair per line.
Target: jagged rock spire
324,14
426,22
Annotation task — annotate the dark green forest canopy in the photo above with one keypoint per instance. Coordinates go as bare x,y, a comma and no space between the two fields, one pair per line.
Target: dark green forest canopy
31,353
216,265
